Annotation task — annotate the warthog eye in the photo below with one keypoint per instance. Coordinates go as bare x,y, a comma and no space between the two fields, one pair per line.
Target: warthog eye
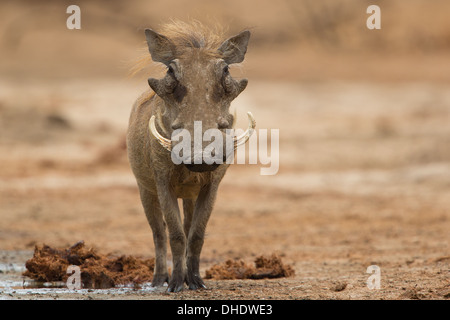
171,81
226,70
228,83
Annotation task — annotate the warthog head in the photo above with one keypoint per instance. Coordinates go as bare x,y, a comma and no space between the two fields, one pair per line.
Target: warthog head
196,92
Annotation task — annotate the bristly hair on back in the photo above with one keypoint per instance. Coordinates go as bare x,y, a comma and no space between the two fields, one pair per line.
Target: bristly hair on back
185,36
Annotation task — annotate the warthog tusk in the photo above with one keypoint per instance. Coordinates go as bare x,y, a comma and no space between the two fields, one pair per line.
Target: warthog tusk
243,138
166,143
240,140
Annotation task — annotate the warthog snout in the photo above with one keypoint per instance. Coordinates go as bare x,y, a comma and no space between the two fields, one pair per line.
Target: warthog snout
202,160
200,150
201,167
201,147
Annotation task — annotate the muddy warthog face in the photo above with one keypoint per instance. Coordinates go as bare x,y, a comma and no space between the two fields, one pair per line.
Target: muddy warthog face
197,91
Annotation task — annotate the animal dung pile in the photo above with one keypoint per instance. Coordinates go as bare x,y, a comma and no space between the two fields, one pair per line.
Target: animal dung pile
264,268
97,271
105,271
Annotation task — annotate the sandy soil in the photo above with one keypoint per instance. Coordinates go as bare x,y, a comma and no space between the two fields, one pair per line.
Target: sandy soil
364,131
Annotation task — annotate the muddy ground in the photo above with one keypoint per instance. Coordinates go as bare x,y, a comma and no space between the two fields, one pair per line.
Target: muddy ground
364,158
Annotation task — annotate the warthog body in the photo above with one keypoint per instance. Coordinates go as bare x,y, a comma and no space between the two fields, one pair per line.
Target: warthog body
197,87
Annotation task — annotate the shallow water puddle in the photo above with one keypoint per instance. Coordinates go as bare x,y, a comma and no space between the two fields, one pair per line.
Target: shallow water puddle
13,283
10,288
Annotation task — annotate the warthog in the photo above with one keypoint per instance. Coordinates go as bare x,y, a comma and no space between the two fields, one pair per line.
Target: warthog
196,87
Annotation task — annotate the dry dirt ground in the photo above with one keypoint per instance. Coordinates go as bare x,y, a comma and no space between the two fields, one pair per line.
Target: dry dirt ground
364,180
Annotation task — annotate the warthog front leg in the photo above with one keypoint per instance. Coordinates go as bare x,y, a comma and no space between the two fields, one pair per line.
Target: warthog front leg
169,207
155,218
202,212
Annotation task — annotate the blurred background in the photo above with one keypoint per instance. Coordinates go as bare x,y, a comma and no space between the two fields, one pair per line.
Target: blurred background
364,120
292,40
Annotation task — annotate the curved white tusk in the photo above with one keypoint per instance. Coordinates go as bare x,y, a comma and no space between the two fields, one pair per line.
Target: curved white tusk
166,143
243,138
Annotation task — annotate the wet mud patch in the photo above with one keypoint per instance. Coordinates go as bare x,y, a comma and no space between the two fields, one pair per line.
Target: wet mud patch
98,271
263,268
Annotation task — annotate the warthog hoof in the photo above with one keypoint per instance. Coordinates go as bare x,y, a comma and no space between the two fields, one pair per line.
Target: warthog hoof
195,282
160,279
176,284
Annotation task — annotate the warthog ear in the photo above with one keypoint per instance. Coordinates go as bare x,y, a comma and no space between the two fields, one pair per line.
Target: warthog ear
160,47
233,50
